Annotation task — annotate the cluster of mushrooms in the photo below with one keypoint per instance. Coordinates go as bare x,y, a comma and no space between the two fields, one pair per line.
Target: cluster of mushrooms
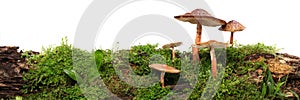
201,17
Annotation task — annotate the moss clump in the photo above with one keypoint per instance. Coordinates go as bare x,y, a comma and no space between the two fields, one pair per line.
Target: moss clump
54,74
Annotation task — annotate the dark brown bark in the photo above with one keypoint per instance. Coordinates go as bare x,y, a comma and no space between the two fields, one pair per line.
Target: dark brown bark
11,67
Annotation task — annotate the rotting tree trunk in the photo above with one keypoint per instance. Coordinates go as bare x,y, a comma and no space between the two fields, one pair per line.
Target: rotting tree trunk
11,68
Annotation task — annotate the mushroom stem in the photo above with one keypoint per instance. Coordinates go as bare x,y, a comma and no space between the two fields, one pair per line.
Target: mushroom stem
195,51
213,62
162,75
173,55
231,38
195,55
199,33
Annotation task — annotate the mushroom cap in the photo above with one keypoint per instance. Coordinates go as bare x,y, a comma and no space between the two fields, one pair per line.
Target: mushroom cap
200,16
164,68
211,43
172,45
232,26
203,20
200,12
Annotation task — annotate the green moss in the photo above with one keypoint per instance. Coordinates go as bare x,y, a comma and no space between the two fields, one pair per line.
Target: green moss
54,74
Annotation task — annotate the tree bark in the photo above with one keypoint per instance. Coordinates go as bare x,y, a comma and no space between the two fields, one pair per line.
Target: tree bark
12,65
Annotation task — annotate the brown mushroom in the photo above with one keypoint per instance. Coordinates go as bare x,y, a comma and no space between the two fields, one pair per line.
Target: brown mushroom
199,17
172,45
163,68
212,44
232,26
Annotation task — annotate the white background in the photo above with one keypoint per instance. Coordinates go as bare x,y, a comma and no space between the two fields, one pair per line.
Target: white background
32,24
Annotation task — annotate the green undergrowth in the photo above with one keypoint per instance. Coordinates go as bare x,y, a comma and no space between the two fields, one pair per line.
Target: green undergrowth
64,72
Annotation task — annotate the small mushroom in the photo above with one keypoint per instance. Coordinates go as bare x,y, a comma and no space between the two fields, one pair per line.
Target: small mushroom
172,45
212,44
163,68
232,26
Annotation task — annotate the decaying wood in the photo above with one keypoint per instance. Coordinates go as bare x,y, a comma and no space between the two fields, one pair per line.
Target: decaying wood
12,65
280,65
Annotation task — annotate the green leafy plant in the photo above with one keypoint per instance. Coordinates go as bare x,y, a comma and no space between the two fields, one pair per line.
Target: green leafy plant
270,89
71,74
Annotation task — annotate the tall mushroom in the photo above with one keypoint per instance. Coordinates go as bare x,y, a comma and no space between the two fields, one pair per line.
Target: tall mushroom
163,68
199,17
172,45
232,26
212,44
